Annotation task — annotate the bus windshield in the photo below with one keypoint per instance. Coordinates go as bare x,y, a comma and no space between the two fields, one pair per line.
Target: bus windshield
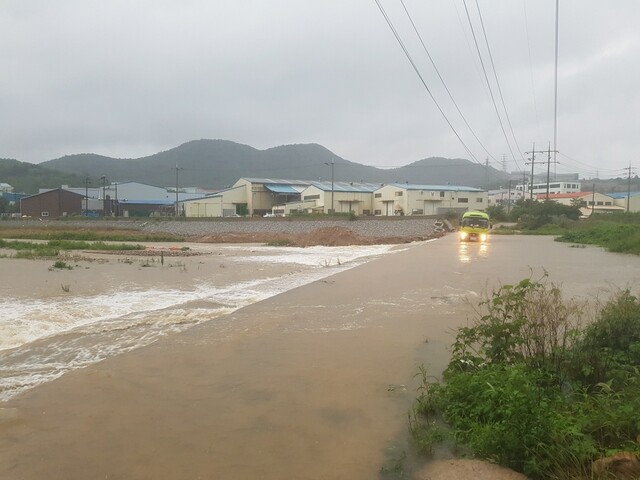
475,222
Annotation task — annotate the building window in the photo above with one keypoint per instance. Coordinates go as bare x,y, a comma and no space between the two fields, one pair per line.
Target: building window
463,200
607,203
366,212
590,202
377,195
598,203
377,212
398,194
44,214
312,197
441,194
417,211
479,200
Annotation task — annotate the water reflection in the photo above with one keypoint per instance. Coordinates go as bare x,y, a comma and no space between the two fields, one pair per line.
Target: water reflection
463,252
467,249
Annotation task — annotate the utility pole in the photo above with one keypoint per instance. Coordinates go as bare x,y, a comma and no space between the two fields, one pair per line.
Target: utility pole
593,198
548,169
629,170
533,162
86,196
176,210
486,170
104,196
555,86
332,165
509,199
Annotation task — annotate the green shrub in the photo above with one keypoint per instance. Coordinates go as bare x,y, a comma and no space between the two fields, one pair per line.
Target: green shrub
497,213
533,214
609,350
530,388
528,322
503,412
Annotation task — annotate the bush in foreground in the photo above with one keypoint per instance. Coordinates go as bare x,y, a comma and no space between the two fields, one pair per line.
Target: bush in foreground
529,387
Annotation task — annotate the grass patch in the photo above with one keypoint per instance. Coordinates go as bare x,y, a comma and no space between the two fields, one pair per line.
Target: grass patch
533,388
84,235
53,247
618,232
615,237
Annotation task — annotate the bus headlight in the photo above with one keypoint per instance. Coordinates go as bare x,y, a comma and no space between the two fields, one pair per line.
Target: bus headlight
483,237
463,235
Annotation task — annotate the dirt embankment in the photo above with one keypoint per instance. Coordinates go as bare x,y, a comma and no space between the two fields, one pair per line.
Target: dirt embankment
285,231
328,236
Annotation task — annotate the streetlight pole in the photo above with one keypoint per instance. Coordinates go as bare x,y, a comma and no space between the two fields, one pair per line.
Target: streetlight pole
86,196
332,178
177,189
104,198
332,207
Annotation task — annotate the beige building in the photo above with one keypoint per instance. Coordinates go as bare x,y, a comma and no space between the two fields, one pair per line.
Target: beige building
411,199
248,196
260,196
589,202
224,203
620,199
340,197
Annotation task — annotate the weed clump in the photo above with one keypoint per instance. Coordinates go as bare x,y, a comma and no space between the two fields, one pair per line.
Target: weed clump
61,265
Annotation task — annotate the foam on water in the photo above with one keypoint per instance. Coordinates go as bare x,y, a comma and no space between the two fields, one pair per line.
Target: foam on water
316,255
41,340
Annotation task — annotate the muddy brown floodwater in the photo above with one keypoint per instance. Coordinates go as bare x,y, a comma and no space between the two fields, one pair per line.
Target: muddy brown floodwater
314,383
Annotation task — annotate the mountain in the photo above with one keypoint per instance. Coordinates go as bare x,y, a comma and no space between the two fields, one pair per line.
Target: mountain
28,178
218,163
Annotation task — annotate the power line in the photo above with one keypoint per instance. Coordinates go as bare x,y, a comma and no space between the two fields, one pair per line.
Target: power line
583,165
415,68
486,77
442,80
555,96
493,67
533,88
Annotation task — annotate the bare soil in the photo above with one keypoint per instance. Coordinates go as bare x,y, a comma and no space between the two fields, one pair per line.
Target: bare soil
327,236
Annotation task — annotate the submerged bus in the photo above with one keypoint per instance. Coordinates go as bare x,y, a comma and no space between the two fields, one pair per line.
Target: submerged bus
474,226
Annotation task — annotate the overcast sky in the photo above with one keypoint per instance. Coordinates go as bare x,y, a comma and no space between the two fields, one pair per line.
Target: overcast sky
131,78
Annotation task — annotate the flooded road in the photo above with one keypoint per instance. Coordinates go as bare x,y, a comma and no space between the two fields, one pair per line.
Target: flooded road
314,383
